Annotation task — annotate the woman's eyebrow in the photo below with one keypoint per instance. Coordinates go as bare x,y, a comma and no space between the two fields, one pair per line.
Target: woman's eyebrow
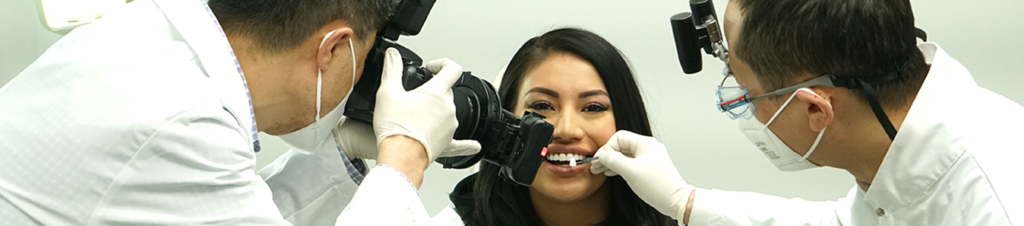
543,90
592,93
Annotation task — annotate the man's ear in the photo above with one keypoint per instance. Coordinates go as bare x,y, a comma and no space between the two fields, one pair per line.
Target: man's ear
332,42
819,110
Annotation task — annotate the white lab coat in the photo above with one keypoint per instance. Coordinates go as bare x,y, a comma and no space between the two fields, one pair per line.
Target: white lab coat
955,161
447,217
142,118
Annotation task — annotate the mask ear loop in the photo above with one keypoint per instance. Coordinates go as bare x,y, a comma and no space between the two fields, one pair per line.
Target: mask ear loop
319,84
352,48
777,113
820,134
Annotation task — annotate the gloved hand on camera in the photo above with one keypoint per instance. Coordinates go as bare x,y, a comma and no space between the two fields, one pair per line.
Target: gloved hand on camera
644,163
357,140
425,114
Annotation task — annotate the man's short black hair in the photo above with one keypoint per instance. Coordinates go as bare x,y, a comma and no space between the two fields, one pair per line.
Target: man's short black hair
784,39
278,25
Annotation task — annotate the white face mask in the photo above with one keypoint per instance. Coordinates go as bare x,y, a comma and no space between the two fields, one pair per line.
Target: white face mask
772,147
307,139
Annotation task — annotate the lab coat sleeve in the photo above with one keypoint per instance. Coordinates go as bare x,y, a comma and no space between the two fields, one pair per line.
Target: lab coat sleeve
386,197
310,188
718,207
196,169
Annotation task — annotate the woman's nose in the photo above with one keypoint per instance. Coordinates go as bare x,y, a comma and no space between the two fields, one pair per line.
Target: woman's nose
567,129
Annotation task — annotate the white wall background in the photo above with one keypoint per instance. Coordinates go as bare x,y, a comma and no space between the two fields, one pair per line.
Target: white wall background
706,146
22,37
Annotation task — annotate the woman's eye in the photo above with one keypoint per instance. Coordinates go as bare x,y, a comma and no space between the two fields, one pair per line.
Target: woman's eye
541,106
595,107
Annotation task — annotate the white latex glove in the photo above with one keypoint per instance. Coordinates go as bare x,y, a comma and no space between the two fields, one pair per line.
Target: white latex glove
357,140
649,172
426,114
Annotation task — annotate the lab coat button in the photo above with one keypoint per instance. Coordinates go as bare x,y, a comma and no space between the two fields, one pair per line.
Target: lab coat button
880,212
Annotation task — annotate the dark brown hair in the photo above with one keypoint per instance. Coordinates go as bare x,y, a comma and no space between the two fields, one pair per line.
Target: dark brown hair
782,40
278,25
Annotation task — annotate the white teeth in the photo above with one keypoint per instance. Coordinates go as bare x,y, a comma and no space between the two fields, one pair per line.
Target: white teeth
565,157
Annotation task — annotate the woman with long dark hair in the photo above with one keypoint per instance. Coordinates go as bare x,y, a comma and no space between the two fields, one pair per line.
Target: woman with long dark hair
586,89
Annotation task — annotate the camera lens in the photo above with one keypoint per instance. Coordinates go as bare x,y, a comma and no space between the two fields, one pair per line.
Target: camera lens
467,111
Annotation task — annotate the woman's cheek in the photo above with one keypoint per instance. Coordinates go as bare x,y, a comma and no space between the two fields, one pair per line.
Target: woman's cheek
601,129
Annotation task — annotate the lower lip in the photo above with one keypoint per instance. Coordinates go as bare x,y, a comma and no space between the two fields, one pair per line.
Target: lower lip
566,171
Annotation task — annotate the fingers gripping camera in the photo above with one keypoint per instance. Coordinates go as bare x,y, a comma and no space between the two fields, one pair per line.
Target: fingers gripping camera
512,142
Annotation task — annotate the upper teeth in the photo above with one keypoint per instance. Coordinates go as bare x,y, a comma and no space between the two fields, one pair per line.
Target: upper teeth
564,157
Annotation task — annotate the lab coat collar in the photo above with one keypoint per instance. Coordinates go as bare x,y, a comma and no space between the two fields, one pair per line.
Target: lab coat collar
199,28
931,137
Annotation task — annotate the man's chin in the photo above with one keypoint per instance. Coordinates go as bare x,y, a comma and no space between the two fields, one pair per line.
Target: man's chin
279,130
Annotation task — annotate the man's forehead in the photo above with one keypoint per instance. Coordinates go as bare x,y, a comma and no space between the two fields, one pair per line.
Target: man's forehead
733,24
733,20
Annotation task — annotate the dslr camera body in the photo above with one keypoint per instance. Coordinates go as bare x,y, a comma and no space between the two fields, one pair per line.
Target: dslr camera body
512,142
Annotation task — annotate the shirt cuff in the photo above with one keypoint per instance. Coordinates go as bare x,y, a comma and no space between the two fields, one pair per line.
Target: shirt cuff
388,171
385,192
